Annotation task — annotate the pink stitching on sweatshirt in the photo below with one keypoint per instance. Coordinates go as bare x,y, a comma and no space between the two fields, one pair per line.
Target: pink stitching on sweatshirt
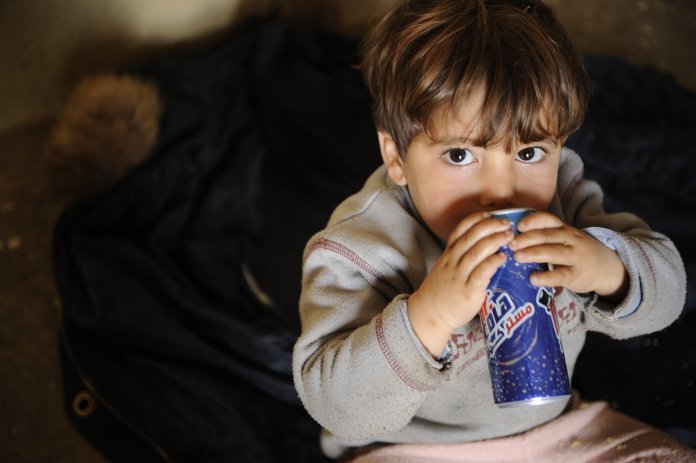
349,254
393,363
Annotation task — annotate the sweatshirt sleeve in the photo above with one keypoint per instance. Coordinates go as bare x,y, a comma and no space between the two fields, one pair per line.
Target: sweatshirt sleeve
657,278
356,368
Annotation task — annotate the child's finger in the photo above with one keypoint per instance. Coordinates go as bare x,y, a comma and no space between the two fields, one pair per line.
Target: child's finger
552,253
559,276
560,235
477,232
481,275
481,250
465,225
539,219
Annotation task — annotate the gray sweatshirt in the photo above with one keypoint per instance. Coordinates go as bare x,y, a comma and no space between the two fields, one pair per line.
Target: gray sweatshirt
364,376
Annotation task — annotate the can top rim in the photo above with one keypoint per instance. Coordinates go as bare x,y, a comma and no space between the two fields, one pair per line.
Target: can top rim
512,210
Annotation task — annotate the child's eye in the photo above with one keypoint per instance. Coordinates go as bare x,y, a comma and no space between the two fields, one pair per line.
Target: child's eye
530,154
459,156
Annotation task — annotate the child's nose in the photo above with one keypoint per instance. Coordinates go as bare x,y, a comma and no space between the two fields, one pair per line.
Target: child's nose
498,189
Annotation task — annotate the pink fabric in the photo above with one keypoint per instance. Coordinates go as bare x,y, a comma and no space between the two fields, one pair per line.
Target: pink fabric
589,432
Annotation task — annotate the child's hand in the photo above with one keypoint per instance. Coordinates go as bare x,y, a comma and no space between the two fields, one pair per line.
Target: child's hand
577,261
452,293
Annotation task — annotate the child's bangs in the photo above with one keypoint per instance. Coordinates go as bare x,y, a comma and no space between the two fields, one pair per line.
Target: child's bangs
530,93
508,119
504,116
533,81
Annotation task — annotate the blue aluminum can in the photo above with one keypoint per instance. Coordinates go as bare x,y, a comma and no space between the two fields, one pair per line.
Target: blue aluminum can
523,343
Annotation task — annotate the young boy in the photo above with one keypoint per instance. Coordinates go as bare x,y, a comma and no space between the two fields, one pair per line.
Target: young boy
473,101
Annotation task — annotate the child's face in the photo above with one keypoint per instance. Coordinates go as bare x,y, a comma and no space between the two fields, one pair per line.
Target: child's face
449,178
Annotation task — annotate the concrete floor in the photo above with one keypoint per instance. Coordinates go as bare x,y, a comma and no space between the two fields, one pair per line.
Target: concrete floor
33,427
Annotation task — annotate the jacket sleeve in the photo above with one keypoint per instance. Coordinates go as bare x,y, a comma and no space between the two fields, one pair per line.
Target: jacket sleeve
356,368
657,278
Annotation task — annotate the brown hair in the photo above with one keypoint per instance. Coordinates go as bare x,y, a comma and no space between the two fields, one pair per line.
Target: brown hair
428,55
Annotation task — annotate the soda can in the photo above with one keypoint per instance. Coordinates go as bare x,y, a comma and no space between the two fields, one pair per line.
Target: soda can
523,342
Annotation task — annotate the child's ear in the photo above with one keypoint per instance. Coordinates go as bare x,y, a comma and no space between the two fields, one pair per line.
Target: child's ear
391,157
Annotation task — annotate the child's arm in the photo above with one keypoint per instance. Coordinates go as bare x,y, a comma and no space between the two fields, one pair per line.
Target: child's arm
636,272
355,366
452,293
